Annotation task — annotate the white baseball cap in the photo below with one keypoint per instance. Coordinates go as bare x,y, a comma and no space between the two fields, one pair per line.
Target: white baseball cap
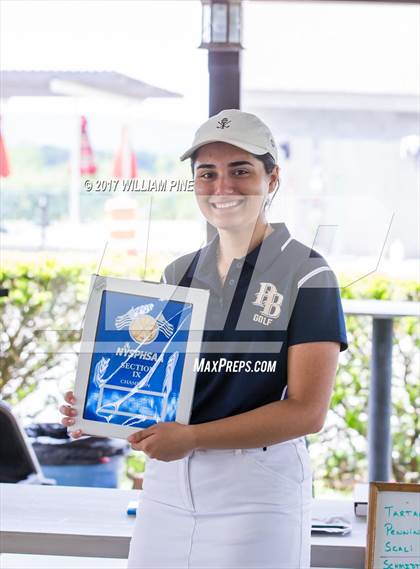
238,128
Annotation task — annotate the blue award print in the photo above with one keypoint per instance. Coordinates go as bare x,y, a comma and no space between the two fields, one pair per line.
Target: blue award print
138,358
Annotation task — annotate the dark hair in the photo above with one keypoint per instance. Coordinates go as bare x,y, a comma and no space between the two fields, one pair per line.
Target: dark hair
267,160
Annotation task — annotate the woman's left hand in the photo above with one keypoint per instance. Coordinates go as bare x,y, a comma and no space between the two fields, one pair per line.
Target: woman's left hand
164,441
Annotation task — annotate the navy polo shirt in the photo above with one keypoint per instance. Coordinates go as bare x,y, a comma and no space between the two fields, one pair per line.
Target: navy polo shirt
280,294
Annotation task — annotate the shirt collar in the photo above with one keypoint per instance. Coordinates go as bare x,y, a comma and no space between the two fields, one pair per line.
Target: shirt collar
264,255
260,258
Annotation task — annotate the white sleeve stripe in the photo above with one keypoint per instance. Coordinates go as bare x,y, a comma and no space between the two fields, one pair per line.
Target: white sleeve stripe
311,274
285,244
284,393
164,278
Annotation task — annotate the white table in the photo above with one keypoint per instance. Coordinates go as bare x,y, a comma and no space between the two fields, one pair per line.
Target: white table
346,551
70,521
21,561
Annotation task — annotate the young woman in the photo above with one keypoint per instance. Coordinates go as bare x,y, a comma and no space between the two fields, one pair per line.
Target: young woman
233,488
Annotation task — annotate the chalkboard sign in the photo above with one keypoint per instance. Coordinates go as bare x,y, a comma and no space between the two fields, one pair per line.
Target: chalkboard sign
393,532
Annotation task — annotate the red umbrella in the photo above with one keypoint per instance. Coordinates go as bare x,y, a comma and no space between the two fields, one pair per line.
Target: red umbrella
87,162
4,162
125,163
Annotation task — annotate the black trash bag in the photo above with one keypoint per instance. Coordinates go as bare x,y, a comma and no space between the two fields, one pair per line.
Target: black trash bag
54,430
53,446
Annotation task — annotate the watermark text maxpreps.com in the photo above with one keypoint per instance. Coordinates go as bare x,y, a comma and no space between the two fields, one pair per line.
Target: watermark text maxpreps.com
223,364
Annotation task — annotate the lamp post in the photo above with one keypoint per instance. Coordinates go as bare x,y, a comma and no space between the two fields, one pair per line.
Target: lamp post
221,36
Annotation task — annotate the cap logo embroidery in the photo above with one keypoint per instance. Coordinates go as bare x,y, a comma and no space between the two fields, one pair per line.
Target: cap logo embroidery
224,123
270,300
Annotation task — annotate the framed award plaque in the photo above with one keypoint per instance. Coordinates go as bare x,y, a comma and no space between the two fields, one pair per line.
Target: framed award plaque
137,353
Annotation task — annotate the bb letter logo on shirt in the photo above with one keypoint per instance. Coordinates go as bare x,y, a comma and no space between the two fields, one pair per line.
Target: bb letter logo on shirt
270,300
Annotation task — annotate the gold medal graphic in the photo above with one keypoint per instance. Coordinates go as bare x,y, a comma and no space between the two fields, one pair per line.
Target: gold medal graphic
143,329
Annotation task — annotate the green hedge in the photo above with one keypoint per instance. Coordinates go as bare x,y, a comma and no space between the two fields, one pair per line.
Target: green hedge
40,323
42,316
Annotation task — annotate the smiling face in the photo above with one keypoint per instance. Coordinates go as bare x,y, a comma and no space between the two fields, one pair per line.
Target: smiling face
231,185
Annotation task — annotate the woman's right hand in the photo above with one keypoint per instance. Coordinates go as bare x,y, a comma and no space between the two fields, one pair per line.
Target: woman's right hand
70,413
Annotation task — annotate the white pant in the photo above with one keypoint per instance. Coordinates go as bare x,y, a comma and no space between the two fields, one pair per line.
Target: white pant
226,509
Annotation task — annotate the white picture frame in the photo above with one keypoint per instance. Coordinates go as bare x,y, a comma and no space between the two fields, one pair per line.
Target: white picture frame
136,360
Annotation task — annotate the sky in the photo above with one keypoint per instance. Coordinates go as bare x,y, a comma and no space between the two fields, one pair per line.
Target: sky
288,46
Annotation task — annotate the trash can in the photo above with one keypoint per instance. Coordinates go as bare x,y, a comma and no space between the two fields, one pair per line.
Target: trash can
89,461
